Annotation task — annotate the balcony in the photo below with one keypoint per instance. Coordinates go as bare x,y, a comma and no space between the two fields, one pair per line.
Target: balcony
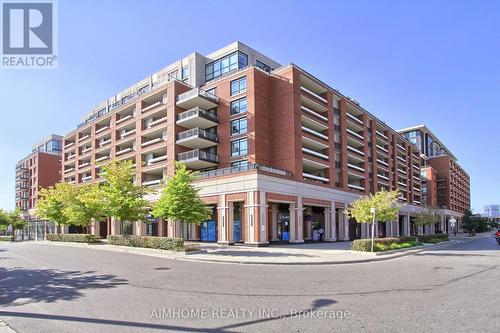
84,165
313,113
124,118
102,129
315,133
197,138
198,159
156,160
127,133
402,171
355,119
355,167
155,122
70,157
154,105
355,150
401,147
313,124
382,149
355,187
69,145
314,177
124,151
86,150
382,176
86,178
314,153
102,158
312,93
197,117
152,142
313,143
84,137
152,182
197,98
69,170
104,142
382,135
356,135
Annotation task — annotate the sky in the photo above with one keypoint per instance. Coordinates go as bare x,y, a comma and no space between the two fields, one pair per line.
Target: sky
407,62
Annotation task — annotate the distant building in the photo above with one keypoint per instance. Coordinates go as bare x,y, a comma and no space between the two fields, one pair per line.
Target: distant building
40,169
492,212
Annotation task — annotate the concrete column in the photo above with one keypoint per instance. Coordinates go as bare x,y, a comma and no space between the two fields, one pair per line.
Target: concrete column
330,227
388,229
115,227
222,217
161,228
140,228
406,225
262,211
300,219
443,223
94,227
420,230
346,223
396,227
364,232
274,221
293,216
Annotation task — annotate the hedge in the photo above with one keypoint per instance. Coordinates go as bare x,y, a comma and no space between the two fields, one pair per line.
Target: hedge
5,238
365,244
78,238
436,238
152,242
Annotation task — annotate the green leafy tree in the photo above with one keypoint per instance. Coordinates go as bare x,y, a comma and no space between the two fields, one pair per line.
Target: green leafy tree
180,200
469,223
428,217
87,205
4,220
385,203
53,202
123,200
386,208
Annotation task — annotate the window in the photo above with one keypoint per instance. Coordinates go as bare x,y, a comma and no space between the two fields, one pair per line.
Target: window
226,64
262,66
239,106
212,91
239,126
185,74
238,86
240,165
239,147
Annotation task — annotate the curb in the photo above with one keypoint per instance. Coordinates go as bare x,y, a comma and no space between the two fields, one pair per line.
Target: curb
185,256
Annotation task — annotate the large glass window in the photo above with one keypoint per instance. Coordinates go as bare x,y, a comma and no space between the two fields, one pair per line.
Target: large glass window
239,86
239,147
262,66
226,64
239,126
239,106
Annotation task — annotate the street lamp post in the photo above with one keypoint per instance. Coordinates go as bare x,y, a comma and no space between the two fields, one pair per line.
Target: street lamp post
453,225
372,211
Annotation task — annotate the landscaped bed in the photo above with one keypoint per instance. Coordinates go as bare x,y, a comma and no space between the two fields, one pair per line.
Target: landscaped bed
152,242
384,244
436,238
77,238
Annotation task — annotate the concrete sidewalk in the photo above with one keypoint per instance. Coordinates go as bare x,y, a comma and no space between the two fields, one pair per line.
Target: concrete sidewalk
299,254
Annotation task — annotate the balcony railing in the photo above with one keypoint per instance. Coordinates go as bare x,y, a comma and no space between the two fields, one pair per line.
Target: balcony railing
315,133
197,92
152,182
356,187
355,167
313,113
151,142
156,122
314,153
102,129
198,132
312,93
356,119
198,154
156,160
244,168
314,177
197,111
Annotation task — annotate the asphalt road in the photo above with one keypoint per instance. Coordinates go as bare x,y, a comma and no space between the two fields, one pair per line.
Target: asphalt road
46,288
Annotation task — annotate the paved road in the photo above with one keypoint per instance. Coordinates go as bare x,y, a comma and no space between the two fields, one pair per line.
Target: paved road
46,288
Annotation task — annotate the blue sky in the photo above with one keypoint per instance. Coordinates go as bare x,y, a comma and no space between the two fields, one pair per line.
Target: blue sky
407,62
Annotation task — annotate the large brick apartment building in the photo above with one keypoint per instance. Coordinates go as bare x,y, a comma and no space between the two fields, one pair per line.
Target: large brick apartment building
40,169
445,184
278,150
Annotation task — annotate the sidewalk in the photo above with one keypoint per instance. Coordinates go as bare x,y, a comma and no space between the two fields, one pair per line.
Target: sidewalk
279,254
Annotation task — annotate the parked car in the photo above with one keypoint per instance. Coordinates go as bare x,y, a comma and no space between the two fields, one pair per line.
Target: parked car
497,236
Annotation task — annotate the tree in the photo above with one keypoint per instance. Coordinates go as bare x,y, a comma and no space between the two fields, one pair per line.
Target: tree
12,219
87,205
4,220
53,202
427,218
123,200
180,200
386,208
469,223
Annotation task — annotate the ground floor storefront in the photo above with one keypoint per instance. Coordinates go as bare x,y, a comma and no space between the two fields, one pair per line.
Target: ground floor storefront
258,209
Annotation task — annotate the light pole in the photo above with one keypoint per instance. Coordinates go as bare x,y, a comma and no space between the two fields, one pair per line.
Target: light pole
372,211
453,225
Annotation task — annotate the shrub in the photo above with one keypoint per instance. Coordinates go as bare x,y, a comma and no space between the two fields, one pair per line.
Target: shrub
381,244
5,238
152,242
433,238
77,238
